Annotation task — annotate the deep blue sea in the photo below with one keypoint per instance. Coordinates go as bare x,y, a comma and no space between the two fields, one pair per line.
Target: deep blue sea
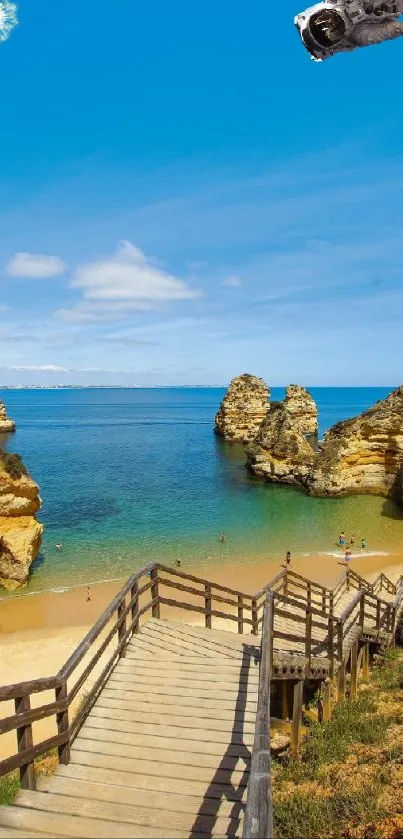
131,475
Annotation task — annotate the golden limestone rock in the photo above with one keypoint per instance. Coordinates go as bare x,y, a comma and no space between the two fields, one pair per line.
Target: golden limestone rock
244,407
364,454
302,410
20,533
280,452
6,424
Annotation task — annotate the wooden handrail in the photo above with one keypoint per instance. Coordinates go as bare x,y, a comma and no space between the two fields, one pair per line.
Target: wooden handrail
258,819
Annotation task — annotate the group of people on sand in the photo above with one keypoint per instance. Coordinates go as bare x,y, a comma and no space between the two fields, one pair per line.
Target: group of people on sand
342,543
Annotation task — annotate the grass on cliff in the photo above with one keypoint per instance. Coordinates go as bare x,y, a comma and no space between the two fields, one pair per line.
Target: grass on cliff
9,784
347,782
12,464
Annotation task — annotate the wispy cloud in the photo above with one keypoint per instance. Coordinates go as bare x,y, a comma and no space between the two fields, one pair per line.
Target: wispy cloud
35,266
127,281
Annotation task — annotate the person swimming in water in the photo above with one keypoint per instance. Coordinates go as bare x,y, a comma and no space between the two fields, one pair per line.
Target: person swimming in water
363,544
223,537
342,539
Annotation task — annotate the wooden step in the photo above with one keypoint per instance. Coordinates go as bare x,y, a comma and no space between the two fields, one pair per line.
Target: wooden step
169,731
160,755
52,824
161,719
86,754
174,708
209,703
172,823
170,744
202,673
188,805
180,687
153,783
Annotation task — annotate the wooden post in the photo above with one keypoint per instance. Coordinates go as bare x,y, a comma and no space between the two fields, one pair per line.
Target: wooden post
156,611
330,646
122,626
362,611
62,719
240,614
255,625
348,579
327,702
378,614
341,681
296,717
284,699
309,594
308,636
135,606
354,670
323,600
365,663
208,604
340,641
331,604
393,625
25,741
285,586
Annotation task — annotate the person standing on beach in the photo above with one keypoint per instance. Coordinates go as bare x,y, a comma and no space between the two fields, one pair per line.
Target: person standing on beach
347,555
363,544
352,540
288,559
88,598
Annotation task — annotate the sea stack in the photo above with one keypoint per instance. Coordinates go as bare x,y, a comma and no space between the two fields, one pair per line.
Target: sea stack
6,424
243,409
302,410
280,453
364,454
20,533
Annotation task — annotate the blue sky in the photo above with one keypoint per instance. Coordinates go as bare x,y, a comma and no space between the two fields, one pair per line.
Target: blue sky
186,196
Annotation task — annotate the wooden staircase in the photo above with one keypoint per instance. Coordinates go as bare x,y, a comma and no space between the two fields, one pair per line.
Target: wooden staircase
172,739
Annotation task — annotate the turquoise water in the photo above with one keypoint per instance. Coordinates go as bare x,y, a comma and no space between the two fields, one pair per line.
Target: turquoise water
129,476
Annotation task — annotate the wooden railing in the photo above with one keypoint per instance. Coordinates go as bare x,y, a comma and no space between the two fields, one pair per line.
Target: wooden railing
258,819
302,613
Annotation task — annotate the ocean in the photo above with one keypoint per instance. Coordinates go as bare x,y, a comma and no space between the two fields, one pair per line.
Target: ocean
128,476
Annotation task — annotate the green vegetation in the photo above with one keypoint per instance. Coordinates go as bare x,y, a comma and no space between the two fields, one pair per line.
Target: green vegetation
346,782
8,787
12,464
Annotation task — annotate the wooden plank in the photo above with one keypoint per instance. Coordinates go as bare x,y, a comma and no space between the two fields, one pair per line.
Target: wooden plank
123,811
174,709
149,768
144,755
185,805
165,785
176,687
178,679
162,718
171,744
186,644
32,715
210,701
248,673
220,642
170,731
79,826
14,833
27,688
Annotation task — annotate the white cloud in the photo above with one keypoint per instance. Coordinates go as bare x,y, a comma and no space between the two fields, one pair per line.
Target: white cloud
232,282
36,368
129,275
35,266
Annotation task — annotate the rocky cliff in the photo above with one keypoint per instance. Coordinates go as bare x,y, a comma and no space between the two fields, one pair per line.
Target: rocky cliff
361,455
20,533
6,424
302,410
243,408
364,454
280,452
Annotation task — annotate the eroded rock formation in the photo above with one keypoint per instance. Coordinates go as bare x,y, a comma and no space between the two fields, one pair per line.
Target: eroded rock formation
244,407
361,455
20,533
301,407
280,452
364,454
6,424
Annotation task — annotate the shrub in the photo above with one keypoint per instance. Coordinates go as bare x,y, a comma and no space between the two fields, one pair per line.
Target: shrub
13,465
